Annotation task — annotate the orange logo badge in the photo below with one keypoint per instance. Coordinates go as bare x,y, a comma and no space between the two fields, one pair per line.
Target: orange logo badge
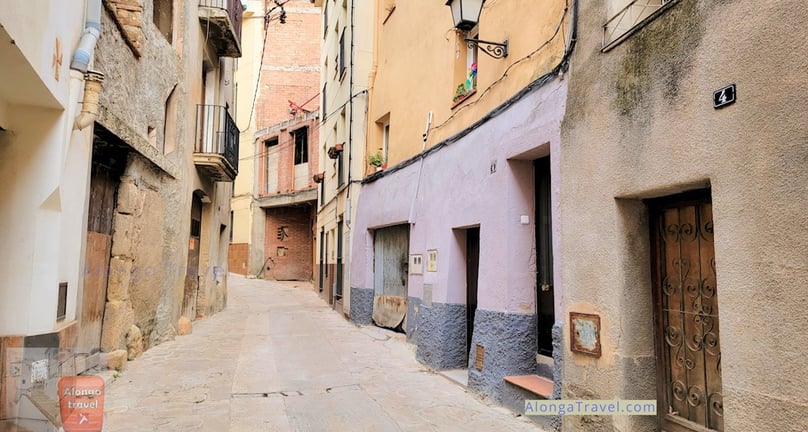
81,403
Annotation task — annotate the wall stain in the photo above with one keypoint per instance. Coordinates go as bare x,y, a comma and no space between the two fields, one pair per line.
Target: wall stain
661,52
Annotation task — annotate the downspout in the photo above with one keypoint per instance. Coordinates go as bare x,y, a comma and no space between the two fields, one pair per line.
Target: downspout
81,63
351,112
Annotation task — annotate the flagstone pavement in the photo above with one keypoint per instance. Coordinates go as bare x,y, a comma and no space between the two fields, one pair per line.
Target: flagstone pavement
279,359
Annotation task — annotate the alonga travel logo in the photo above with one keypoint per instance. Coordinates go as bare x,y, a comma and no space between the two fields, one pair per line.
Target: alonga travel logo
81,403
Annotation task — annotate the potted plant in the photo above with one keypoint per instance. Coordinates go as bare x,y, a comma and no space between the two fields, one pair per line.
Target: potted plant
377,160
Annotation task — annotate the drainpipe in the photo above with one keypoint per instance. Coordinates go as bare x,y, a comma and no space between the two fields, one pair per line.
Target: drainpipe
92,29
89,107
81,63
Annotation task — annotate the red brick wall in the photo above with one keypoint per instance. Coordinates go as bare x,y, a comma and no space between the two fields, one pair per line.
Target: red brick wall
298,262
291,64
237,257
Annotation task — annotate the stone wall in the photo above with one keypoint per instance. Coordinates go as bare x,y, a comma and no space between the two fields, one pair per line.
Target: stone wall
148,262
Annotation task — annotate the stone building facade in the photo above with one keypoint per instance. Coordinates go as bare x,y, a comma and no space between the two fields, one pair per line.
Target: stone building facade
684,215
131,144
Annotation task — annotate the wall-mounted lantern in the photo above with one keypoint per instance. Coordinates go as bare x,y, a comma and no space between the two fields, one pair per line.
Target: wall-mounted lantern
466,15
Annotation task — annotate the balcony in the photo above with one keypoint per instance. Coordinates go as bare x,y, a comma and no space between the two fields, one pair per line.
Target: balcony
221,22
216,148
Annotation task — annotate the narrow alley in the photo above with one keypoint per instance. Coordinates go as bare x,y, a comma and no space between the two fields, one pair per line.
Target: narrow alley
279,359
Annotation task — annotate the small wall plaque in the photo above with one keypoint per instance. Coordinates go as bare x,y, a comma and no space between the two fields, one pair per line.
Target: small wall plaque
432,260
416,264
479,357
724,96
585,333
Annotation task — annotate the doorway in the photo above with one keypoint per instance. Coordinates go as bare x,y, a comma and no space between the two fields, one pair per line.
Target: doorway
472,273
108,164
192,269
545,298
390,269
339,270
689,387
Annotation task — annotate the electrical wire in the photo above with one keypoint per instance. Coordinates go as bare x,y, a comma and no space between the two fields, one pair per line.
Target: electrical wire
540,82
267,19
316,123
507,70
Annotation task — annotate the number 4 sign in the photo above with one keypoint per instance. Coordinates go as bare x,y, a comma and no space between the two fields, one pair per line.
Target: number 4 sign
724,96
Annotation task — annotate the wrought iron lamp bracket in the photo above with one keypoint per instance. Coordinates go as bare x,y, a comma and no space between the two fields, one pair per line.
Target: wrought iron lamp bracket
492,49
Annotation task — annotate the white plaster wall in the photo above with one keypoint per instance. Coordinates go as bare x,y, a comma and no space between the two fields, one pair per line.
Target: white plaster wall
43,167
34,27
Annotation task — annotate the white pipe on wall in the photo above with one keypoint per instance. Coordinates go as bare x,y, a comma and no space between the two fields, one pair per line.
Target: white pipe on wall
92,30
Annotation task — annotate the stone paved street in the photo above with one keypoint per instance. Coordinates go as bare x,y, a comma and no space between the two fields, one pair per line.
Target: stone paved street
278,359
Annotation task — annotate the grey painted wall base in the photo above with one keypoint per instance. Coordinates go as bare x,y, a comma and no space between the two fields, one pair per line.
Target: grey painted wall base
510,343
413,312
441,336
558,357
361,306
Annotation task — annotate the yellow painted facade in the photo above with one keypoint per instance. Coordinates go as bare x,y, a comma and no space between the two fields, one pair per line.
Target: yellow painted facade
242,204
420,60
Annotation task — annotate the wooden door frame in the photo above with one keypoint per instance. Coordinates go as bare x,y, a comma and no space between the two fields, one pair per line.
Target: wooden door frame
655,207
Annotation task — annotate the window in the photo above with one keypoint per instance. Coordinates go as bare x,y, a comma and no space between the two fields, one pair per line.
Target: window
341,70
325,19
270,165
341,138
471,63
628,16
231,226
385,139
170,123
301,146
465,66
61,305
323,103
163,16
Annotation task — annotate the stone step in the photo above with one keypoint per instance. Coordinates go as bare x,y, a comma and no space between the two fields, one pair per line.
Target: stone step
535,384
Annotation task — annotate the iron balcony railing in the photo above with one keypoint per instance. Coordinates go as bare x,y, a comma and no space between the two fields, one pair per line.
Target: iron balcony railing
234,8
217,133
635,14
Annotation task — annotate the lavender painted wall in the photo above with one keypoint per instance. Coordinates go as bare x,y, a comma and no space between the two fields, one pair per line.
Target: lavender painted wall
458,190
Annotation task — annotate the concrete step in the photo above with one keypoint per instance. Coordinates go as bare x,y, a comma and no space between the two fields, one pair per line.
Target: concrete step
535,384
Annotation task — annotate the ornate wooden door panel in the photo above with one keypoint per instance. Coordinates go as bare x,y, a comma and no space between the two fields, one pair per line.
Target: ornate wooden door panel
686,300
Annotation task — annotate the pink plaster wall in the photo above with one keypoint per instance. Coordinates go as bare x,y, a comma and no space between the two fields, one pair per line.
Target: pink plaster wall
457,190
